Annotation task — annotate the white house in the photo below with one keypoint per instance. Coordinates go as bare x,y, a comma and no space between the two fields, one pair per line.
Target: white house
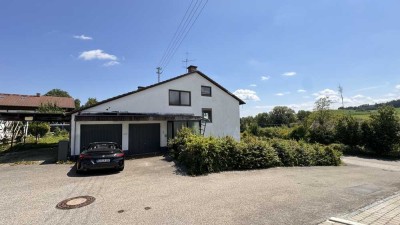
143,120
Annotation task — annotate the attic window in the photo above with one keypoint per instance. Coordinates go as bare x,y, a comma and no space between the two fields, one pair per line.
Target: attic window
179,98
206,91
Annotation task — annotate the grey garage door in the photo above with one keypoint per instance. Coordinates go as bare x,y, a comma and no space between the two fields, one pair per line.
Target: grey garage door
144,138
101,132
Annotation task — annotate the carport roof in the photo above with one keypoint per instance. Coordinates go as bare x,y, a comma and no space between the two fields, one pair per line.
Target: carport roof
126,116
17,101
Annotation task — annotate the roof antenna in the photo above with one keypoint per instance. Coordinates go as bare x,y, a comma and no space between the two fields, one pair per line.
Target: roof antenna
159,72
187,60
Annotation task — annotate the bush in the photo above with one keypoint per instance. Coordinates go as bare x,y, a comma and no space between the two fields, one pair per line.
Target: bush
382,133
347,131
202,155
298,133
39,129
275,132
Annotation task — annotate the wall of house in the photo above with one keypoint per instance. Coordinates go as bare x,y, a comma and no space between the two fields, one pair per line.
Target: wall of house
225,108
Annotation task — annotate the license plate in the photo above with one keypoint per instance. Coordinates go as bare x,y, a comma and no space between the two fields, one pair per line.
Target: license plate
103,160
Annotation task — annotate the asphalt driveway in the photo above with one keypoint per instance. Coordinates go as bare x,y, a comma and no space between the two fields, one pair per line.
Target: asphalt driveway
151,191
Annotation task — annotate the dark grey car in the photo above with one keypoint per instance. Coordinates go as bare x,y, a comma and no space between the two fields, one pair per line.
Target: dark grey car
101,155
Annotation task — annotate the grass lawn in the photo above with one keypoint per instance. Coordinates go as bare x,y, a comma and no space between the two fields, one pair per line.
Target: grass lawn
360,115
44,151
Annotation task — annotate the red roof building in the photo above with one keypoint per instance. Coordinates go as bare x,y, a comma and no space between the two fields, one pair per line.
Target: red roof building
33,102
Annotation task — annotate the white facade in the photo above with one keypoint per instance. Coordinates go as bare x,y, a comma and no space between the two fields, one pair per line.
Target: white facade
225,109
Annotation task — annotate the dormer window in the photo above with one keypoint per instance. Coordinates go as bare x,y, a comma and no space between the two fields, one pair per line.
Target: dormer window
206,91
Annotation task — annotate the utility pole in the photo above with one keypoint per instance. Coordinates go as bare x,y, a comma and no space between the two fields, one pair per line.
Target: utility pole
159,72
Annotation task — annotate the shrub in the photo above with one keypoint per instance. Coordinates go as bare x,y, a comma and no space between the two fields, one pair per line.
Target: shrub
347,131
275,132
298,133
37,128
382,133
202,155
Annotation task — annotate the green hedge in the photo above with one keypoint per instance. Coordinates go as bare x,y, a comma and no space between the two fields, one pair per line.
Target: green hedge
202,155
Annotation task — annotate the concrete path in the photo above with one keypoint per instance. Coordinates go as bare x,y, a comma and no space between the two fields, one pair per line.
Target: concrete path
385,211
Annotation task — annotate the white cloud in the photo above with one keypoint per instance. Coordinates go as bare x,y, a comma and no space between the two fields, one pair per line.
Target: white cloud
289,74
398,87
246,94
82,37
282,93
301,91
265,77
111,63
327,93
97,54
253,85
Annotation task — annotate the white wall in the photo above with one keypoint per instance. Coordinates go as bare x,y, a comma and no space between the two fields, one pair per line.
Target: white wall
225,108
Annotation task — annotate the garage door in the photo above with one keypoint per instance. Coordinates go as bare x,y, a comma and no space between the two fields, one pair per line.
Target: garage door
144,138
101,132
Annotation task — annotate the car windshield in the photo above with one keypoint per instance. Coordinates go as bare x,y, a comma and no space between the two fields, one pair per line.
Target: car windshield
102,145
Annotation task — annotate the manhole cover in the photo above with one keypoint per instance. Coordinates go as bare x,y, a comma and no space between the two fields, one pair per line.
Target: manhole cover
76,202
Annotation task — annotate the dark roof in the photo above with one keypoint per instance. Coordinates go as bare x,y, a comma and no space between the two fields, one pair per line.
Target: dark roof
34,101
126,116
241,102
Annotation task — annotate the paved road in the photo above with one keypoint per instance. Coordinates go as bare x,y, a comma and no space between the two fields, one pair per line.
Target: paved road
29,194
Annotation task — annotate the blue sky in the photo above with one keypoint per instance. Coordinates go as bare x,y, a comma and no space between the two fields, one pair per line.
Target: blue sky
267,52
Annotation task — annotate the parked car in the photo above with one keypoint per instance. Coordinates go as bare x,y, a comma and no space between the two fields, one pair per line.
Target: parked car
101,155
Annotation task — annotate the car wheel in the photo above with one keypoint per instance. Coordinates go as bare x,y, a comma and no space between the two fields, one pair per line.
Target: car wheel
120,169
78,171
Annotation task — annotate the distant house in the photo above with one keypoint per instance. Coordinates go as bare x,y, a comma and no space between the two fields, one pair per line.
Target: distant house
31,103
16,107
143,120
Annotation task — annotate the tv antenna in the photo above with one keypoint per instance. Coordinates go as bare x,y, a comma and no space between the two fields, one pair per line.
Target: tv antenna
187,60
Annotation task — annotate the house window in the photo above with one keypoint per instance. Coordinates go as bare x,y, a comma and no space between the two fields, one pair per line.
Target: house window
179,98
206,91
207,114
173,127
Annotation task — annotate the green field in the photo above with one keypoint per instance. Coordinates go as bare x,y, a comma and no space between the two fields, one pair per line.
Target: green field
358,114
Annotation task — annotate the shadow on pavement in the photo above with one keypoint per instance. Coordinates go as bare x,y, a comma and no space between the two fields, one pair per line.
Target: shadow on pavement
91,173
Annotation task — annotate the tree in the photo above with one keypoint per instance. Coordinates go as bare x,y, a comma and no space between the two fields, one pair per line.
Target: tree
245,123
38,129
382,133
282,115
50,108
77,103
262,119
322,128
57,93
348,131
90,102
302,115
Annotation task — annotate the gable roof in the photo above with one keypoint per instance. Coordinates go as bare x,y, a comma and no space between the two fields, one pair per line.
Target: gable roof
34,101
241,102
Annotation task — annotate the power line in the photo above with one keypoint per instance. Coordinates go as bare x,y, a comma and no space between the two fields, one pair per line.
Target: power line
182,31
173,37
188,20
173,53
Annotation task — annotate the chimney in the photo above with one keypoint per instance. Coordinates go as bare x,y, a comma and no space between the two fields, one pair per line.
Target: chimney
192,69
37,94
140,87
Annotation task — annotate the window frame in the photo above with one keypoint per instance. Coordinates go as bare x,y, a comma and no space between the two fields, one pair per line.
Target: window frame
180,98
210,114
206,95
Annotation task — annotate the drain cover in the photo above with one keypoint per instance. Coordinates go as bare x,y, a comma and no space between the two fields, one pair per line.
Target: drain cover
75,202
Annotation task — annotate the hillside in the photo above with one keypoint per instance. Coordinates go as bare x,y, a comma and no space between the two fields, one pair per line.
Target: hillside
394,103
